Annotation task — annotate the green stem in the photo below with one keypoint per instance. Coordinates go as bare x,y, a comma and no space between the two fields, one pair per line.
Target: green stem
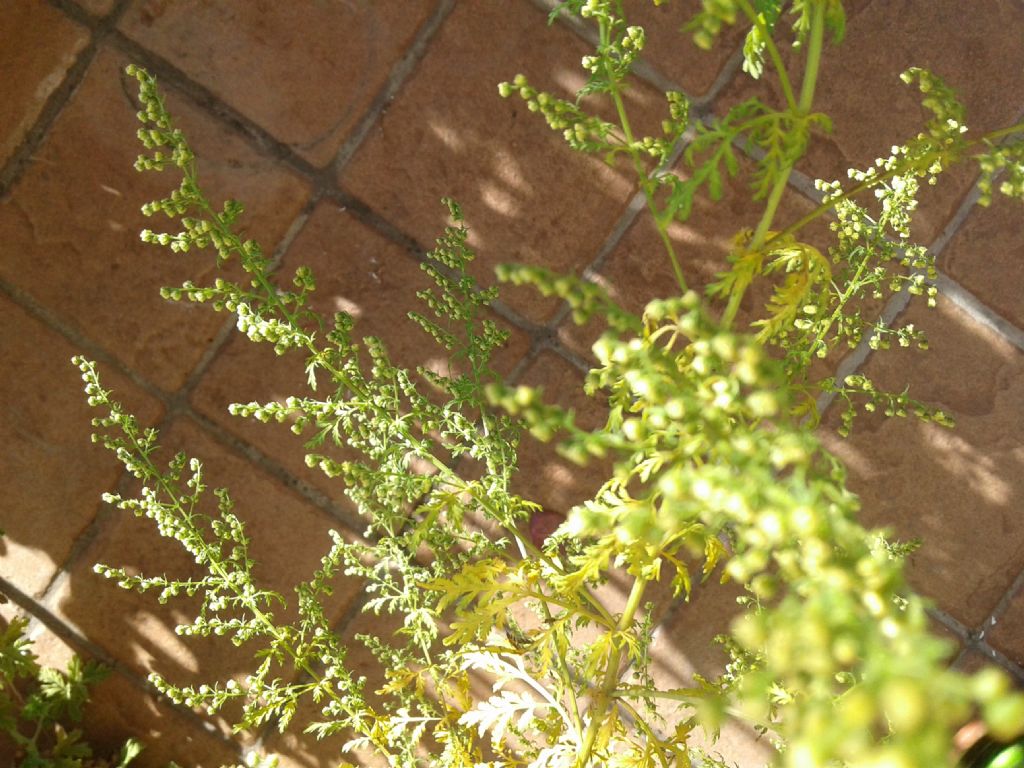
813,57
1008,131
603,696
685,695
807,88
217,568
646,185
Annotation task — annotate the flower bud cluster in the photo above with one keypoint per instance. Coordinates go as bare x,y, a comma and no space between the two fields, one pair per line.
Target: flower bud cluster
583,132
707,24
1005,162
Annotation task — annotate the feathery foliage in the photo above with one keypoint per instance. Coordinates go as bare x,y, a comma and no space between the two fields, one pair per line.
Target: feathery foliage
717,473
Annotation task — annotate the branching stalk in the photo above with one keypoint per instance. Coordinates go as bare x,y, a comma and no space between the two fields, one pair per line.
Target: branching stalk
602,697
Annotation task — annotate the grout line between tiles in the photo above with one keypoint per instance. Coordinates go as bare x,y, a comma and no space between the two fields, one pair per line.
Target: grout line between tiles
256,457
520,368
209,102
322,180
173,406
979,312
324,185
77,339
104,520
850,364
100,520
950,623
1001,607
897,304
591,272
1015,670
985,316
399,74
647,72
19,160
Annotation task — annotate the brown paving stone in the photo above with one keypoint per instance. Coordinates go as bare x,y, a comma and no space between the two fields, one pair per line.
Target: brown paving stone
40,45
70,226
961,490
986,255
955,643
527,197
306,74
558,484
9,612
359,272
288,539
872,109
685,645
671,52
52,476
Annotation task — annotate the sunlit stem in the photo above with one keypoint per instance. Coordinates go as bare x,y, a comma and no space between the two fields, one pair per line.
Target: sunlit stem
810,81
603,696
647,185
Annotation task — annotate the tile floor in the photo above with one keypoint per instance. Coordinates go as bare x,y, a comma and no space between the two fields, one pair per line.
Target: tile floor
340,124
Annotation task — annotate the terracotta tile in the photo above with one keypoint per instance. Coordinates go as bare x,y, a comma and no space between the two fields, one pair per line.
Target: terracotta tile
358,272
986,250
639,270
71,225
973,662
958,490
51,474
448,133
281,66
672,52
883,40
685,645
41,44
288,538
9,611
1007,636
558,484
